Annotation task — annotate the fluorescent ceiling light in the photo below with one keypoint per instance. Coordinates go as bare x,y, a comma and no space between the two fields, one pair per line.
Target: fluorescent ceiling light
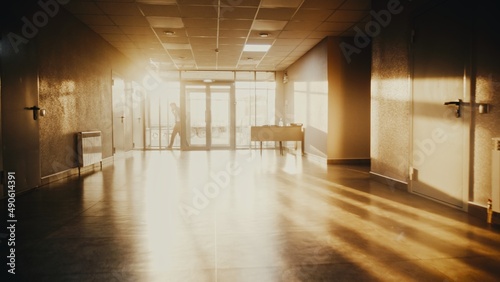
256,47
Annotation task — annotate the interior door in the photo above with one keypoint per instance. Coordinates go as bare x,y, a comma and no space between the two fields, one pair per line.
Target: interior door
20,130
441,113
119,107
221,119
197,120
209,116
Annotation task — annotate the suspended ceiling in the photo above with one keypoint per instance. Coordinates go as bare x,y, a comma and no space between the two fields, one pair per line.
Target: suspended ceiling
211,34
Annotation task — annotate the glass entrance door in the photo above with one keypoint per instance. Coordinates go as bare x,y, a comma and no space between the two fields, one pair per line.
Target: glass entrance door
209,116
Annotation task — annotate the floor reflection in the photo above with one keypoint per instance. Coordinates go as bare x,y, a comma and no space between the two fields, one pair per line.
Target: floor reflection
242,216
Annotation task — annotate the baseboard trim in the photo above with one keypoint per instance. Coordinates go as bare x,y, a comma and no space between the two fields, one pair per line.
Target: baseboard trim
400,185
349,161
481,212
75,171
316,158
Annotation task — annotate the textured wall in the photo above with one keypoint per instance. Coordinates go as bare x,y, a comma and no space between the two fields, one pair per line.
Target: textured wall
391,98
75,67
390,104
487,126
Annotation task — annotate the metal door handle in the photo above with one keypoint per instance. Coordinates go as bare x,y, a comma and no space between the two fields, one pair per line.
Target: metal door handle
458,112
35,110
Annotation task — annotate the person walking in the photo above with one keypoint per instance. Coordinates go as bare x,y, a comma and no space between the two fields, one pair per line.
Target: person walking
177,127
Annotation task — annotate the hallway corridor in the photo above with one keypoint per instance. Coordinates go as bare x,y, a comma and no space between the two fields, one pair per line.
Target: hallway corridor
238,216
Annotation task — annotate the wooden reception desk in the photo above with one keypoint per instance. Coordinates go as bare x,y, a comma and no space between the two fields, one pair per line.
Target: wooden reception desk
278,134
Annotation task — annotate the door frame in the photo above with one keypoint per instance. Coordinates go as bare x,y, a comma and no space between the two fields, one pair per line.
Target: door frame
467,111
232,115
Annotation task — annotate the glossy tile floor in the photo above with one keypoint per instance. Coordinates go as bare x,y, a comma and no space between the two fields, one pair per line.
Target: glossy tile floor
237,216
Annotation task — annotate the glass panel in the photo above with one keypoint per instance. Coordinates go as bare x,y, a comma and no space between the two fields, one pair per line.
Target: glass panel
220,103
172,91
153,122
243,117
196,105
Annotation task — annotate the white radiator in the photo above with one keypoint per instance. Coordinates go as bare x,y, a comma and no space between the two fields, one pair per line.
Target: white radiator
89,148
495,175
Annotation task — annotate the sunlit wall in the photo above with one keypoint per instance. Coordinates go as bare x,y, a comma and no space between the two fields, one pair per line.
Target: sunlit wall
331,97
391,96
75,68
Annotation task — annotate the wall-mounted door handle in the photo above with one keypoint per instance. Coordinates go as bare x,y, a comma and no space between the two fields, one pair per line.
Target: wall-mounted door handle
458,112
35,110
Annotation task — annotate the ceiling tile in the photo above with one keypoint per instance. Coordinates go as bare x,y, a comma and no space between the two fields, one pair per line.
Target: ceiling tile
268,25
200,23
137,30
257,34
278,14
241,13
178,40
102,29
281,48
230,49
116,37
277,52
198,11
174,46
235,24
124,9
323,34
122,44
280,3
302,25
260,41
321,4
203,41
347,16
202,32
85,8
233,33
356,5
158,2
130,20
312,15
143,37
281,42
240,3
207,52
310,42
195,2
160,10
232,41
331,26
96,20
180,54
165,22
178,32
293,34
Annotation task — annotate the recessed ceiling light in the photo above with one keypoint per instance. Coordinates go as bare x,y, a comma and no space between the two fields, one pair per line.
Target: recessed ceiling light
256,47
264,34
169,32
208,80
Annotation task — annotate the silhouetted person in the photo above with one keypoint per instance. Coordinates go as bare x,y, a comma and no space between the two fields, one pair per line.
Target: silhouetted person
177,127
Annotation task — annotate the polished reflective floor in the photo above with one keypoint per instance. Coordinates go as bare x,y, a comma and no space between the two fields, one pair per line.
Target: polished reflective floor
239,216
